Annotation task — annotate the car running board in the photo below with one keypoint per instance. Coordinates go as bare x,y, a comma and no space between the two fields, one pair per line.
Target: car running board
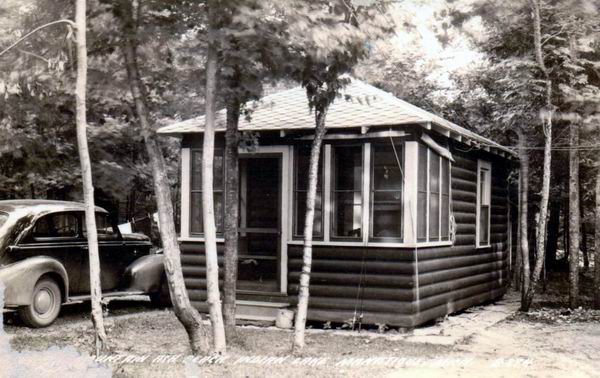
111,294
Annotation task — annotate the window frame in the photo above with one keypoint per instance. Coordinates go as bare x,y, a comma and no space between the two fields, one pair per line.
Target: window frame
371,193
295,191
332,198
218,151
441,160
483,166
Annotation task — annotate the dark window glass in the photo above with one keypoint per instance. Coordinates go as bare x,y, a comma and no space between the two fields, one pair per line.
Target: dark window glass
422,195
62,225
302,160
445,225
484,207
386,192
196,224
347,193
434,197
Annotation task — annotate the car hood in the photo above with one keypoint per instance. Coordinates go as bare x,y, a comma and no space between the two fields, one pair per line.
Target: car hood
136,237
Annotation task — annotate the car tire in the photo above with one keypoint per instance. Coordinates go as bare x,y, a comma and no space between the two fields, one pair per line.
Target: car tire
161,298
45,304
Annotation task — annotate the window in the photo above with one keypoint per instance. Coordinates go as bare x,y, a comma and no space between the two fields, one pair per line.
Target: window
386,192
484,193
60,225
104,227
347,192
302,161
196,222
433,196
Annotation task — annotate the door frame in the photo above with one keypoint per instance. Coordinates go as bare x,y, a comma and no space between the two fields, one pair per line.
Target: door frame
283,153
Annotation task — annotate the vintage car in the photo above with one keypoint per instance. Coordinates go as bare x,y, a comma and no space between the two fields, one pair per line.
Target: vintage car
44,259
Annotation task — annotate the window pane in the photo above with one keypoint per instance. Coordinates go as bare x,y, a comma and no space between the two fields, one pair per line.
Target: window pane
217,170
347,195
348,167
387,214
196,170
301,213
302,165
434,220
386,197
484,216
434,172
445,226
348,215
196,220
422,217
386,173
196,213
422,195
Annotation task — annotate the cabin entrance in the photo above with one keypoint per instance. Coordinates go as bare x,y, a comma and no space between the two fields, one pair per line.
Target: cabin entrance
260,223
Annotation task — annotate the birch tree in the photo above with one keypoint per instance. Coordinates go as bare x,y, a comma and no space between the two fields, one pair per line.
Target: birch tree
80,28
208,213
321,64
130,14
546,116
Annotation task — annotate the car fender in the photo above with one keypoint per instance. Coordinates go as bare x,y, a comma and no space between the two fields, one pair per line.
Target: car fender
145,273
19,279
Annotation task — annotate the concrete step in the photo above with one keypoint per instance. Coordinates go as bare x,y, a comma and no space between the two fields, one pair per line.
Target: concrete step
256,310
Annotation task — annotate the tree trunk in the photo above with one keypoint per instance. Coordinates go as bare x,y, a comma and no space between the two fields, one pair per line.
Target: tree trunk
547,127
584,244
518,268
86,176
232,193
596,288
208,212
574,215
187,315
313,176
523,214
553,234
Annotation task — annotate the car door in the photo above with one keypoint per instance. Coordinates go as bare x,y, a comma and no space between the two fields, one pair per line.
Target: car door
57,235
110,245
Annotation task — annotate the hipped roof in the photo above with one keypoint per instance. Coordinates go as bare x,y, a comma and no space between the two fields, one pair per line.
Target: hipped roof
359,105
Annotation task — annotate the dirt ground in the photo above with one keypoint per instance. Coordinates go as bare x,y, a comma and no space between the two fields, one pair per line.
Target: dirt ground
486,341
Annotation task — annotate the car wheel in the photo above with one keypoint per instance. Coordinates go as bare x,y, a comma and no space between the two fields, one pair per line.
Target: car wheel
162,298
45,304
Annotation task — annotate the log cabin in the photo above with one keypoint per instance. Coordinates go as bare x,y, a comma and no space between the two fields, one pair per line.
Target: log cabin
413,216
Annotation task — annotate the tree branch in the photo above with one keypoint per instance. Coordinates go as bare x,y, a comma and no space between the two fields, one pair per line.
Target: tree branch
68,22
34,55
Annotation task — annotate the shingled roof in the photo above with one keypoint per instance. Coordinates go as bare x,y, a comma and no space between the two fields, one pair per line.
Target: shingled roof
359,105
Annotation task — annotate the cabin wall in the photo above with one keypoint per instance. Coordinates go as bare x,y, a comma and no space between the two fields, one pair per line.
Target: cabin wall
397,286
460,276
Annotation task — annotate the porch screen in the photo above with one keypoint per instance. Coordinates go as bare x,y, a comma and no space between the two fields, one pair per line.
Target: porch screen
433,198
302,160
347,192
386,192
196,224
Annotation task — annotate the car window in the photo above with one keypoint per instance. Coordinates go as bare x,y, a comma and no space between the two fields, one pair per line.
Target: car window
103,226
3,218
56,225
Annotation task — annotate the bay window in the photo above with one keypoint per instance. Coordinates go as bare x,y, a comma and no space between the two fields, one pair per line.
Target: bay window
433,196
302,161
346,193
386,192
196,221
